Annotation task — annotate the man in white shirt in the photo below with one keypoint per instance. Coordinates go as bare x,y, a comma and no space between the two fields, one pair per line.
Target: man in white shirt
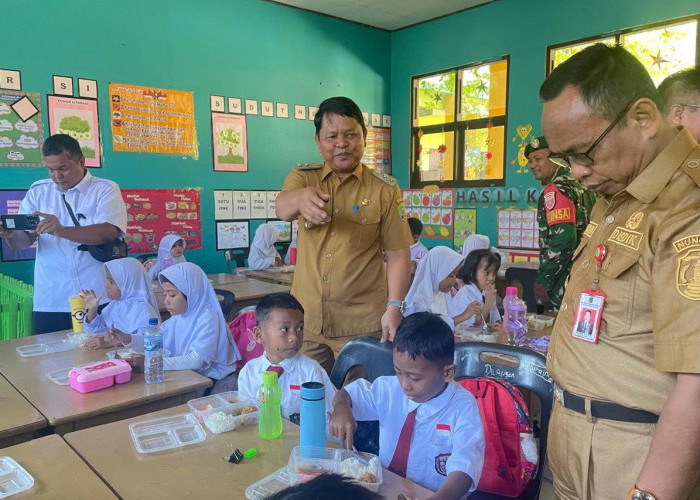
61,269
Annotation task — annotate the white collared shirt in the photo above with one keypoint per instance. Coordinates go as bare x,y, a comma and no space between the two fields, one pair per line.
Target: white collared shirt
468,294
297,370
448,435
61,270
418,251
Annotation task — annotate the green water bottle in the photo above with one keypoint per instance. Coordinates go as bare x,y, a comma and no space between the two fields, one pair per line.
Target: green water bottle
270,397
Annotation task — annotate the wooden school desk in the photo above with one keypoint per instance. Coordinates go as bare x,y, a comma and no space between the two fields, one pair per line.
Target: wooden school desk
247,291
273,275
18,418
57,470
66,409
195,471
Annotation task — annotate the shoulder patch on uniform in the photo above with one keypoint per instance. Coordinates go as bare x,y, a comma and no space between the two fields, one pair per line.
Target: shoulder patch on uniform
688,266
559,208
691,167
308,166
384,177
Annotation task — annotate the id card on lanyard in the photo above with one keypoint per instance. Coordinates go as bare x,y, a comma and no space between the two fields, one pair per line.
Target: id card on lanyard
591,303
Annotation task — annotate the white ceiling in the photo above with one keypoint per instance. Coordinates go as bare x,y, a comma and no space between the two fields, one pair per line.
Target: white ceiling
385,14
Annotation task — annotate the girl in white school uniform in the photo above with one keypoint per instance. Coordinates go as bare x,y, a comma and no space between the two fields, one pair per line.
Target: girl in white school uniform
430,290
170,252
262,251
196,333
131,305
479,275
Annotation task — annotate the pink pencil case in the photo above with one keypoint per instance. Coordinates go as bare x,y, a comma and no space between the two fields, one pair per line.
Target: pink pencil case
99,375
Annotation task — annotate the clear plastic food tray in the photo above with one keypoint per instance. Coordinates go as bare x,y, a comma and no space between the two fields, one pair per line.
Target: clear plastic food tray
13,478
60,376
233,413
365,457
28,351
308,462
269,485
158,434
128,351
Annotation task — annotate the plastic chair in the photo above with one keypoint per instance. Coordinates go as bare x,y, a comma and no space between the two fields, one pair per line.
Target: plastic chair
146,256
376,357
530,373
526,278
227,303
238,255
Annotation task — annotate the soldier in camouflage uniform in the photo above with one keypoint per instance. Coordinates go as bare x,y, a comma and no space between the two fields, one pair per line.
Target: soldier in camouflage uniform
563,212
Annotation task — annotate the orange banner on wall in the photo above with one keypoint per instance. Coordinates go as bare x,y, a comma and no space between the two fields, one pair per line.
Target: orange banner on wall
152,120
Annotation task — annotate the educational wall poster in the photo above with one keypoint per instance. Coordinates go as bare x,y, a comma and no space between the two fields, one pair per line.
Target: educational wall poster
518,228
21,129
9,204
152,120
464,226
232,234
241,204
258,205
77,118
230,142
378,149
153,213
433,207
271,197
285,230
223,205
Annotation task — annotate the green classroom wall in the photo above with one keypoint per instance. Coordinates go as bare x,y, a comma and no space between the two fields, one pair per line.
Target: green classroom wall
522,29
260,50
235,48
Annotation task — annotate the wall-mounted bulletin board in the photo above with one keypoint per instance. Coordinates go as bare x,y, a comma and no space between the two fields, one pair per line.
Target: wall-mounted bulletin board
433,207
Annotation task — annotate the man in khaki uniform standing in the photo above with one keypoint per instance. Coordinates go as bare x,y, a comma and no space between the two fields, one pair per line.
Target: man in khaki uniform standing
626,423
348,215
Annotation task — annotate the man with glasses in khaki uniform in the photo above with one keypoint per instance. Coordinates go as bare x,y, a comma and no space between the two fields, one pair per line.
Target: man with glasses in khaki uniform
627,418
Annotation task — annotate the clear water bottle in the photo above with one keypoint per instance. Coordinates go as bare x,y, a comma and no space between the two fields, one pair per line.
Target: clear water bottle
510,298
270,397
153,348
517,322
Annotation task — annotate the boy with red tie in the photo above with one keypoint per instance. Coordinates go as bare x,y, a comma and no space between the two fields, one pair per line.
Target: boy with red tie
279,327
430,430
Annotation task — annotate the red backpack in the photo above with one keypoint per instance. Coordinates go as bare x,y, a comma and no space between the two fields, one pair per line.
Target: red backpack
510,458
241,329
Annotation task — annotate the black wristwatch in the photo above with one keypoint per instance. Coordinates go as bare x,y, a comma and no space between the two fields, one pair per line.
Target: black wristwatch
398,303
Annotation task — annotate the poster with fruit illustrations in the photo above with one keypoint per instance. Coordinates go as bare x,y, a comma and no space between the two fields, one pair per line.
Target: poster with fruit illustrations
153,213
464,225
434,208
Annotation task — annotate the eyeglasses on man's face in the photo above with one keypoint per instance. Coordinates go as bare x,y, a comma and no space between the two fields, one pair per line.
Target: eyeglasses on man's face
585,159
697,106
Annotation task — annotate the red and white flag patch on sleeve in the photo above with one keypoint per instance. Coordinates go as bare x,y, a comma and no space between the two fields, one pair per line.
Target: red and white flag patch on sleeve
558,208
443,429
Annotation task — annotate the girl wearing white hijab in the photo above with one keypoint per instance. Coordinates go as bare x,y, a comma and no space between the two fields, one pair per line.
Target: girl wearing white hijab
475,242
262,251
132,301
170,252
196,333
434,278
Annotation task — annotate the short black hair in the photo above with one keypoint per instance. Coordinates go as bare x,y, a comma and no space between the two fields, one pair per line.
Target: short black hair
415,225
327,487
468,271
275,301
426,334
343,106
62,143
679,87
608,78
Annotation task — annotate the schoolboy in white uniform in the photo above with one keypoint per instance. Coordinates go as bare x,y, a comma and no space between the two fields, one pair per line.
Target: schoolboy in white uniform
418,249
443,449
279,319
61,270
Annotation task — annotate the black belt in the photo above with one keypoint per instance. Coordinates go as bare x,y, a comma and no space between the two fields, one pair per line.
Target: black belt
609,411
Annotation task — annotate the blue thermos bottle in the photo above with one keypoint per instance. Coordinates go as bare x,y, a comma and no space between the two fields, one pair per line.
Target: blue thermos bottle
312,415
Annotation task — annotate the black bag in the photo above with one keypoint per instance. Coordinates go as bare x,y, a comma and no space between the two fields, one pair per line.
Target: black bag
104,252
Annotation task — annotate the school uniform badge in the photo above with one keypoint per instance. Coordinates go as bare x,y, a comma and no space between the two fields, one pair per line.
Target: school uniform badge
441,463
688,267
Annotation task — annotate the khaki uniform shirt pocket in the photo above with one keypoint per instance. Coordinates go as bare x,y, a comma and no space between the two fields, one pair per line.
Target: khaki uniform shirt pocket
365,229
618,276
